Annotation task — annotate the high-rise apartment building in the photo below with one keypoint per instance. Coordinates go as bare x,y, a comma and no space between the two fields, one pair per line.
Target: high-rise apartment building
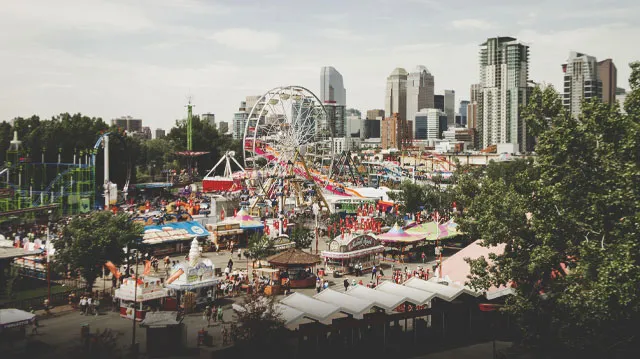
581,82
396,132
438,102
608,75
160,133
420,87
504,71
209,118
128,123
396,96
621,97
464,106
240,121
450,106
332,87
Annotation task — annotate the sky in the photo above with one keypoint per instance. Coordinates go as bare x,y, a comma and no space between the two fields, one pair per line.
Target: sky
144,58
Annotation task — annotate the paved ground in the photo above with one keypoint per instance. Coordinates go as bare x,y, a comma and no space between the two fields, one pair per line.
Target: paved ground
63,327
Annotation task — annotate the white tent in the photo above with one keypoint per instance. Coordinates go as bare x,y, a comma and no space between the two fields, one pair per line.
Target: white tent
11,318
412,295
312,308
289,315
386,301
355,306
441,291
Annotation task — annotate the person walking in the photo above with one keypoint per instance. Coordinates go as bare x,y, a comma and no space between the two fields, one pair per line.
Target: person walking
424,258
96,306
220,319
318,285
206,315
230,264
374,270
346,284
83,305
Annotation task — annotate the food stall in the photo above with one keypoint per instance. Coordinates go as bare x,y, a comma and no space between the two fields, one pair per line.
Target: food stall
148,294
270,279
195,277
347,250
172,237
297,265
224,233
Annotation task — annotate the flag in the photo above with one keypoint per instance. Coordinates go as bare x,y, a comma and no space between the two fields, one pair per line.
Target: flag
112,268
147,267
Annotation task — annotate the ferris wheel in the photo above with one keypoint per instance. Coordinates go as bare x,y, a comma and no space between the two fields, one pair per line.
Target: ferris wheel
287,135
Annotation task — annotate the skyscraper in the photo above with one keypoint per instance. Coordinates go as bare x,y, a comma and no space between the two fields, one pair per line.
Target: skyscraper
223,127
395,101
240,120
375,114
438,102
581,82
419,91
504,71
331,87
450,107
396,132
428,124
608,74
160,133
463,112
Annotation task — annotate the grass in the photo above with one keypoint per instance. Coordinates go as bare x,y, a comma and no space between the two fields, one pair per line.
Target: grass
33,293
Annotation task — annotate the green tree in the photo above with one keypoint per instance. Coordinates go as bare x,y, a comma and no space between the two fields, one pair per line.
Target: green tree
569,220
88,242
411,195
258,327
260,247
302,237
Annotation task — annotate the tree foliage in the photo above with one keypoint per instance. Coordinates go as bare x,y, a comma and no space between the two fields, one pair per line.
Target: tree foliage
259,327
570,223
260,247
88,242
302,237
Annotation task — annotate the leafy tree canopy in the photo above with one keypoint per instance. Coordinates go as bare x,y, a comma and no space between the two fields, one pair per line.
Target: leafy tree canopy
570,223
88,242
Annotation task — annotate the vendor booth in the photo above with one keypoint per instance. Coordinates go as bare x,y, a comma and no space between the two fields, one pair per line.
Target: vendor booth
146,297
169,238
237,229
224,233
397,239
345,251
297,265
194,282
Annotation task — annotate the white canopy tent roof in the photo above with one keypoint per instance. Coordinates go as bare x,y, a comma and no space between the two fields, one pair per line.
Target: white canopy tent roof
355,306
10,318
288,314
412,295
386,301
313,308
441,291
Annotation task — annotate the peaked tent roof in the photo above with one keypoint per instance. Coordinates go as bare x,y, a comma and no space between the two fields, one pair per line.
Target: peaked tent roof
386,301
347,303
441,291
397,234
312,308
414,296
293,256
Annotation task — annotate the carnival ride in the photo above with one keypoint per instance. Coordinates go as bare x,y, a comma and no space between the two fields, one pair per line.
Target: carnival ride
227,182
68,188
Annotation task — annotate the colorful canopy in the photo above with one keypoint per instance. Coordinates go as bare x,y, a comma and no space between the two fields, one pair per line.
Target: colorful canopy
398,235
432,232
245,220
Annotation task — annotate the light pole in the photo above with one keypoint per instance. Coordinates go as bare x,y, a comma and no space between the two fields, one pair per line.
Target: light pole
134,349
316,211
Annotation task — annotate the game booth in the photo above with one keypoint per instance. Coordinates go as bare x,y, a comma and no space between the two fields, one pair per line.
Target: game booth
347,250
169,238
195,277
148,296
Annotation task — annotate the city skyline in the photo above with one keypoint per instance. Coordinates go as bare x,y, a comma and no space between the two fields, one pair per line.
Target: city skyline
106,59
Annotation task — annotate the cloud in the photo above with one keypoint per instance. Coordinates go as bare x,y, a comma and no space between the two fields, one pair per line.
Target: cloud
83,15
331,17
470,24
340,34
247,39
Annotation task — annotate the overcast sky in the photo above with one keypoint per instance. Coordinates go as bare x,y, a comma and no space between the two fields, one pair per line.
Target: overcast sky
142,58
